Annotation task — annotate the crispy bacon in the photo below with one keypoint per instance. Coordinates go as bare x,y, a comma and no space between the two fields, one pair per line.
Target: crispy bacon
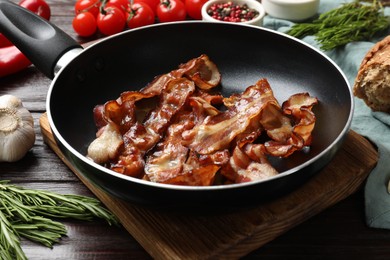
217,132
138,138
142,137
286,138
204,73
300,107
248,164
177,130
173,163
201,70
121,111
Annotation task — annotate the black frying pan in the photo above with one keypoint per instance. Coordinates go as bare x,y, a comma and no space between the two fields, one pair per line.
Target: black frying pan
129,60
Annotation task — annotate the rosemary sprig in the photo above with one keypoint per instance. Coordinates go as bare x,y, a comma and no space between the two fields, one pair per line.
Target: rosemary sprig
41,230
27,212
350,22
382,2
10,243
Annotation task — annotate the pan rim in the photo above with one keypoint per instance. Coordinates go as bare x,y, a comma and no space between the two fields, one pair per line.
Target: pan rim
123,177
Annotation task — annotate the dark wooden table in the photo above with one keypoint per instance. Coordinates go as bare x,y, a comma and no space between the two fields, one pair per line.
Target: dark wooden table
339,232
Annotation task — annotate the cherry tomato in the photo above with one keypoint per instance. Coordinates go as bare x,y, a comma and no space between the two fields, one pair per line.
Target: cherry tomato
121,4
171,10
194,7
91,6
84,24
139,14
39,7
152,3
111,21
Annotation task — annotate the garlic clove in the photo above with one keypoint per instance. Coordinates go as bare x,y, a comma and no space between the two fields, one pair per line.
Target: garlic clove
17,135
9,101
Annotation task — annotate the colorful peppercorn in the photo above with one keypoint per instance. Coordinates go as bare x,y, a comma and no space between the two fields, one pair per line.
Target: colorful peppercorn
231,12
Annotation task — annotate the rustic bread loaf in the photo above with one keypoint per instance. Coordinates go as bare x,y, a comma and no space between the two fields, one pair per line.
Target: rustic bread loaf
372,83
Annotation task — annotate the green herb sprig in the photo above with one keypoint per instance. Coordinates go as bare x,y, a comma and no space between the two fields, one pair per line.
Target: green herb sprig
350,22
27,212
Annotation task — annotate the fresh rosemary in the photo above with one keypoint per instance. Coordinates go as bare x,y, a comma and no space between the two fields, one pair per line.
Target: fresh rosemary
350,22
27,213
382,2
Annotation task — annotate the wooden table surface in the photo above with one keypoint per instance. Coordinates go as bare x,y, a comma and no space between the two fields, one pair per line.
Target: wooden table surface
339,232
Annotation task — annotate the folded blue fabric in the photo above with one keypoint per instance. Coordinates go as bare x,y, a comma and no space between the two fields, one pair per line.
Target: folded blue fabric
373,125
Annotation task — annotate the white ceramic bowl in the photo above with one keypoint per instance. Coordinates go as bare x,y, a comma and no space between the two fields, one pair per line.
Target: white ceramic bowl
293,10
253,4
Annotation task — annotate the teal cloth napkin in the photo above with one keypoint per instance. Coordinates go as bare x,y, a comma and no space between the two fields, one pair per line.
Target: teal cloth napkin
373,125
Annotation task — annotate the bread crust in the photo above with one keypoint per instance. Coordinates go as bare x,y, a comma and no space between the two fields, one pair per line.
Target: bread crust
372,83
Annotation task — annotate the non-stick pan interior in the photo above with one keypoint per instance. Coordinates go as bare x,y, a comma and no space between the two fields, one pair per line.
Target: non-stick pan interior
243,54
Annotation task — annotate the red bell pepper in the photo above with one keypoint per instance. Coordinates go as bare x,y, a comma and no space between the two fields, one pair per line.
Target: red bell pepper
4,42
12,60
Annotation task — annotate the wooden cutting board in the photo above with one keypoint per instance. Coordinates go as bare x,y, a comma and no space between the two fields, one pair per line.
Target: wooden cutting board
172,235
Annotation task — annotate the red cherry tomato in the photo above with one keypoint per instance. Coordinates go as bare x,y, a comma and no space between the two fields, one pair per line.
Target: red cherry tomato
40,7
171,10
152,3
139,14
91,6
111,21
121,4
194,7
84,24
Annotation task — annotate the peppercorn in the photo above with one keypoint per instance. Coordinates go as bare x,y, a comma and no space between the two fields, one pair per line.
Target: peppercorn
232,12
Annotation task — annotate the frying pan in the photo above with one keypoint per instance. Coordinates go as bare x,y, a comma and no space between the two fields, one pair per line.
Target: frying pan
83,78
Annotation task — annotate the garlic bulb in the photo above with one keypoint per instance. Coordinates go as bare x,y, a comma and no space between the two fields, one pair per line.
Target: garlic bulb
17,134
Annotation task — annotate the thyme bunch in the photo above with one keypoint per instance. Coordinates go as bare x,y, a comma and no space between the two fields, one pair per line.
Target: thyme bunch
27,213
350,22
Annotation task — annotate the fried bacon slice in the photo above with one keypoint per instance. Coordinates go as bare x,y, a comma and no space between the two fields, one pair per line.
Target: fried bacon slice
121,115
141,137
288,134
192,136
121,111
217,132
288,138
173,163
300,107
204,73
248,163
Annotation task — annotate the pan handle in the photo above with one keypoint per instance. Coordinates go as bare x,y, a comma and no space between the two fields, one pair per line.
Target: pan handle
42,42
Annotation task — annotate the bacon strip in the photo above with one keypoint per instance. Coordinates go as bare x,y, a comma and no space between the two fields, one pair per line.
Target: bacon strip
300,107
217,132
173,163
142,137
248,164
204,73
201,70
121,113
287,139
186,140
